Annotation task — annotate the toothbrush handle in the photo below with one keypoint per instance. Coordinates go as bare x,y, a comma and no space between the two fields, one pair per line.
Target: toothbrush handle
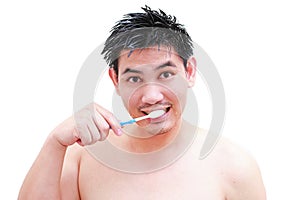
127,122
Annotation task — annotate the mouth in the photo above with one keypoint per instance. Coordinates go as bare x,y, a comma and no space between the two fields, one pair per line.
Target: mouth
150,109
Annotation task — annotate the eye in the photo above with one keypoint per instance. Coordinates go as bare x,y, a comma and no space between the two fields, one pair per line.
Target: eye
165,75
134,79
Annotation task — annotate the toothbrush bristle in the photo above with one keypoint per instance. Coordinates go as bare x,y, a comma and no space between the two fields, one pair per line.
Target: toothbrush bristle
156,113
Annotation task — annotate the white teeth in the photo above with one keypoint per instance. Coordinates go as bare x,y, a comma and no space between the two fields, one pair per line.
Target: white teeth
148,111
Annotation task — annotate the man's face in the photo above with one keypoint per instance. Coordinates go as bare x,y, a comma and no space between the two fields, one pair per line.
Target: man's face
154,79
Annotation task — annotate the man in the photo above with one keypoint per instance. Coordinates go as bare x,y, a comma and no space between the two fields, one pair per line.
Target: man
152,68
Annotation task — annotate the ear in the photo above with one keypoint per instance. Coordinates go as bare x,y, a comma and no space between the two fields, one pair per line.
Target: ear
114,77
191,69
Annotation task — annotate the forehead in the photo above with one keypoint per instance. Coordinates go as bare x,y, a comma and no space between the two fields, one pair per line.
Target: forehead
148,56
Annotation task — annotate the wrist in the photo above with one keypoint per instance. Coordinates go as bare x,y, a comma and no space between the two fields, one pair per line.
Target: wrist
54,141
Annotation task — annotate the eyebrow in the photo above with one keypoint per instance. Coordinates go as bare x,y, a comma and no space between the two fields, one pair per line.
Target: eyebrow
167,64
127,70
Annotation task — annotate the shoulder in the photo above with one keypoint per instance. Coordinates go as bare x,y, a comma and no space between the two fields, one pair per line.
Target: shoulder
239,171
235,155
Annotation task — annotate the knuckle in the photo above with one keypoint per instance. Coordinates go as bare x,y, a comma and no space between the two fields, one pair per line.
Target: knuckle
97,137
87,140
105,127
81,123
103,136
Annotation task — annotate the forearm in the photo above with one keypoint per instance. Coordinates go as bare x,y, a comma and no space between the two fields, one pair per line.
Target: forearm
43,179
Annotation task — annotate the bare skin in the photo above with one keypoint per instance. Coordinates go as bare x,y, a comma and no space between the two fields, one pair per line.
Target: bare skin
227,173
65,170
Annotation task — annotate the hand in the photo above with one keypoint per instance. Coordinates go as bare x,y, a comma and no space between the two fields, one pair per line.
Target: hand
87,126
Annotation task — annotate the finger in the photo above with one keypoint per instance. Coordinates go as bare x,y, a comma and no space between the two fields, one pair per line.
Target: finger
95,134
84,133
110,119
102,126
76,135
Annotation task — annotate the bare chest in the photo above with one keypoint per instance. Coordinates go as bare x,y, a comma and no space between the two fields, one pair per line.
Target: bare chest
181,180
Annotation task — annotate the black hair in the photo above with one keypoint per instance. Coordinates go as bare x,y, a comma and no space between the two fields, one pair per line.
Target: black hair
142,30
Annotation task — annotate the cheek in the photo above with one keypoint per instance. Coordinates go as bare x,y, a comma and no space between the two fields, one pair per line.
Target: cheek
178,100
133,102
125,95
178,92
130,98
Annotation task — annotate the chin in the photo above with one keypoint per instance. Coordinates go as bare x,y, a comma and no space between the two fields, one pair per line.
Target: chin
160,128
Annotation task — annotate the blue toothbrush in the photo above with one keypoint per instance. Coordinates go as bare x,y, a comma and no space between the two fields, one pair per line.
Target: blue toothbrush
153,114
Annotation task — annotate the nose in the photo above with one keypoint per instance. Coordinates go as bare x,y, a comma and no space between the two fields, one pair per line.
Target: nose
152,94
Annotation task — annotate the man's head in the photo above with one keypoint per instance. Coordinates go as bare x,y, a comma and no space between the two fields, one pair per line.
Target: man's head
151,62
148,29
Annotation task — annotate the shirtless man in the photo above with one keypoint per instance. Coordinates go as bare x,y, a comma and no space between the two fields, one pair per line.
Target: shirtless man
149,73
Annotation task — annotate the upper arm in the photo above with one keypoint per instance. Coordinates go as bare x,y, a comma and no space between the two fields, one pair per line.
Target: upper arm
70,173
243,177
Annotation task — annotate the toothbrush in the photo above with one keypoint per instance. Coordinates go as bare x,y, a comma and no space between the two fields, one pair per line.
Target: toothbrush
153,114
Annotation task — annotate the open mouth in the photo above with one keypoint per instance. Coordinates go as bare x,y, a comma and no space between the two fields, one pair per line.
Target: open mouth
165,108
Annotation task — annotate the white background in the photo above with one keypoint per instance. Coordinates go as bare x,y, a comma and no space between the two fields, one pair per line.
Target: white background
254,44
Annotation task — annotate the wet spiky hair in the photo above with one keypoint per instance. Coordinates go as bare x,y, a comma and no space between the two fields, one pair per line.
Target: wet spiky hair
142,30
